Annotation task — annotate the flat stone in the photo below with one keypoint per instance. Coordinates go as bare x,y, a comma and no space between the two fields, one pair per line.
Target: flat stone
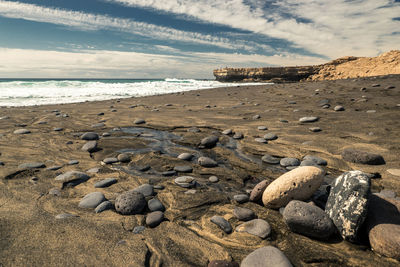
258,190
92,200
266,257
58,129
154,218
90,146
307,219
185,156
139,121
90,136
315,129
31,165
286,162
395,172
362,157
93,170
241,198
138,229
105,183
130,203
298,184
383,226
185,181
347,203
386,193
74,177
124,157
55,192
390,87
73,162
22,131
261,140
227,131
375,85
270,159
338,108
243,214
155,205
238,136
256,227
63,216
110,160
256,117
317,160
222,223
262,128
145,189
103,206
209,142
270,136
194,130
183,168
213,179
308,119
207,162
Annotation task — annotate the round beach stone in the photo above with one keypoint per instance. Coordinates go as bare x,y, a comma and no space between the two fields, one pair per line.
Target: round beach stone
22,131
261,140
139,121
362,157
90,146
145,189
258,190
270,159
347,203
270,136
298,184
103,206
90,136
124,157
92,200
308,119
317,160
130,202
209,142
31,165
227,131
213,179
338,108
154,218
243,214
266,257
155,205
168,173
71,176
110,160
241,198
262,128
287,162
307,219
185,181
207,162
105,183
222,223
183,168
185,156
256,227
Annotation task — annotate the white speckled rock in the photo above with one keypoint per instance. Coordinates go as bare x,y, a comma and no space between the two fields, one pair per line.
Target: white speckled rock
298,184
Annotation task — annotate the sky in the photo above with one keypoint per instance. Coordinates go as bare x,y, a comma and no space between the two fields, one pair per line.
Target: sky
186,38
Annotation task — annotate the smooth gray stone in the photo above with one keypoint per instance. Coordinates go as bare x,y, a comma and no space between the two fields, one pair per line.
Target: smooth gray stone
185,181
243,214
262,128
105,183
54,168
213,179
347,203
168,173
184,168
90,136
207,162
92,200
362,157
31,165
63,216
261,140
124,157
130,203
315,129
323,102
22,131
185,156
72,176
266,257
289,168
154,218
93,170
270,159
146,189
270,136
73,162
288,162
256,117
139,121
338,108
155,205
258,190
90,146
138,229
209,142
227,131
317,160
58,129
105,205
308,163
222,223
241,198
307,219
308,119
106,134
110,160
256,227
194,130
238,136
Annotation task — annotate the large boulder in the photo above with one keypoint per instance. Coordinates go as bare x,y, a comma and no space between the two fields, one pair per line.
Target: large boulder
298,184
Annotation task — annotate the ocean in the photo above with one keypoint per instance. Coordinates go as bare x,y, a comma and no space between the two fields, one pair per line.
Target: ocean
28,92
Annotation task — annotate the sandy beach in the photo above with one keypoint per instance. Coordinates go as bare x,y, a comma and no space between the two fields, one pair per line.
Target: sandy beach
31,198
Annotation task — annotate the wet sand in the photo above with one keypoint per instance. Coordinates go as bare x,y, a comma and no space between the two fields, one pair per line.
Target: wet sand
30,234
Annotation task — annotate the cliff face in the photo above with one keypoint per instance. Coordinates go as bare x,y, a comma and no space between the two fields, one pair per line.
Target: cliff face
341,68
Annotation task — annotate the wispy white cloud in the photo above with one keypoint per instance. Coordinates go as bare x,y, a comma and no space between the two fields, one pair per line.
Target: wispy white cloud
331,28
20,63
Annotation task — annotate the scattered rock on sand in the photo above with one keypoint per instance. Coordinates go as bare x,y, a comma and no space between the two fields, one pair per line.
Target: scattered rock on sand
222,223
73,162
209,142
358,156
298,184
262,128
73,177
139,121
110,160
308,119
261,140
130,202
90,146
256,227
222,263
154,218
227,131
183,168
238,136
270,136
307,219
185,156
92,200
185,181
347,203
145,189
207,162
270,159
31,165
213,179
243,214
258,190
338,108
90,136
266,257
22,131
287,162
241,198
155,205
105,183
317,160
315,129
103,206
124,157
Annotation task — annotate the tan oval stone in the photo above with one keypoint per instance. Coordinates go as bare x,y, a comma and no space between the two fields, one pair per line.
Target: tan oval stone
395,172
298,184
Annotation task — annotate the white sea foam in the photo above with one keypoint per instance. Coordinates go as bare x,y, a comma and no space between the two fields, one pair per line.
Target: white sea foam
41,92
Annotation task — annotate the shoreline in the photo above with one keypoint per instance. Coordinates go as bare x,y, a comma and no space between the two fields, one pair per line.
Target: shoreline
27,210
